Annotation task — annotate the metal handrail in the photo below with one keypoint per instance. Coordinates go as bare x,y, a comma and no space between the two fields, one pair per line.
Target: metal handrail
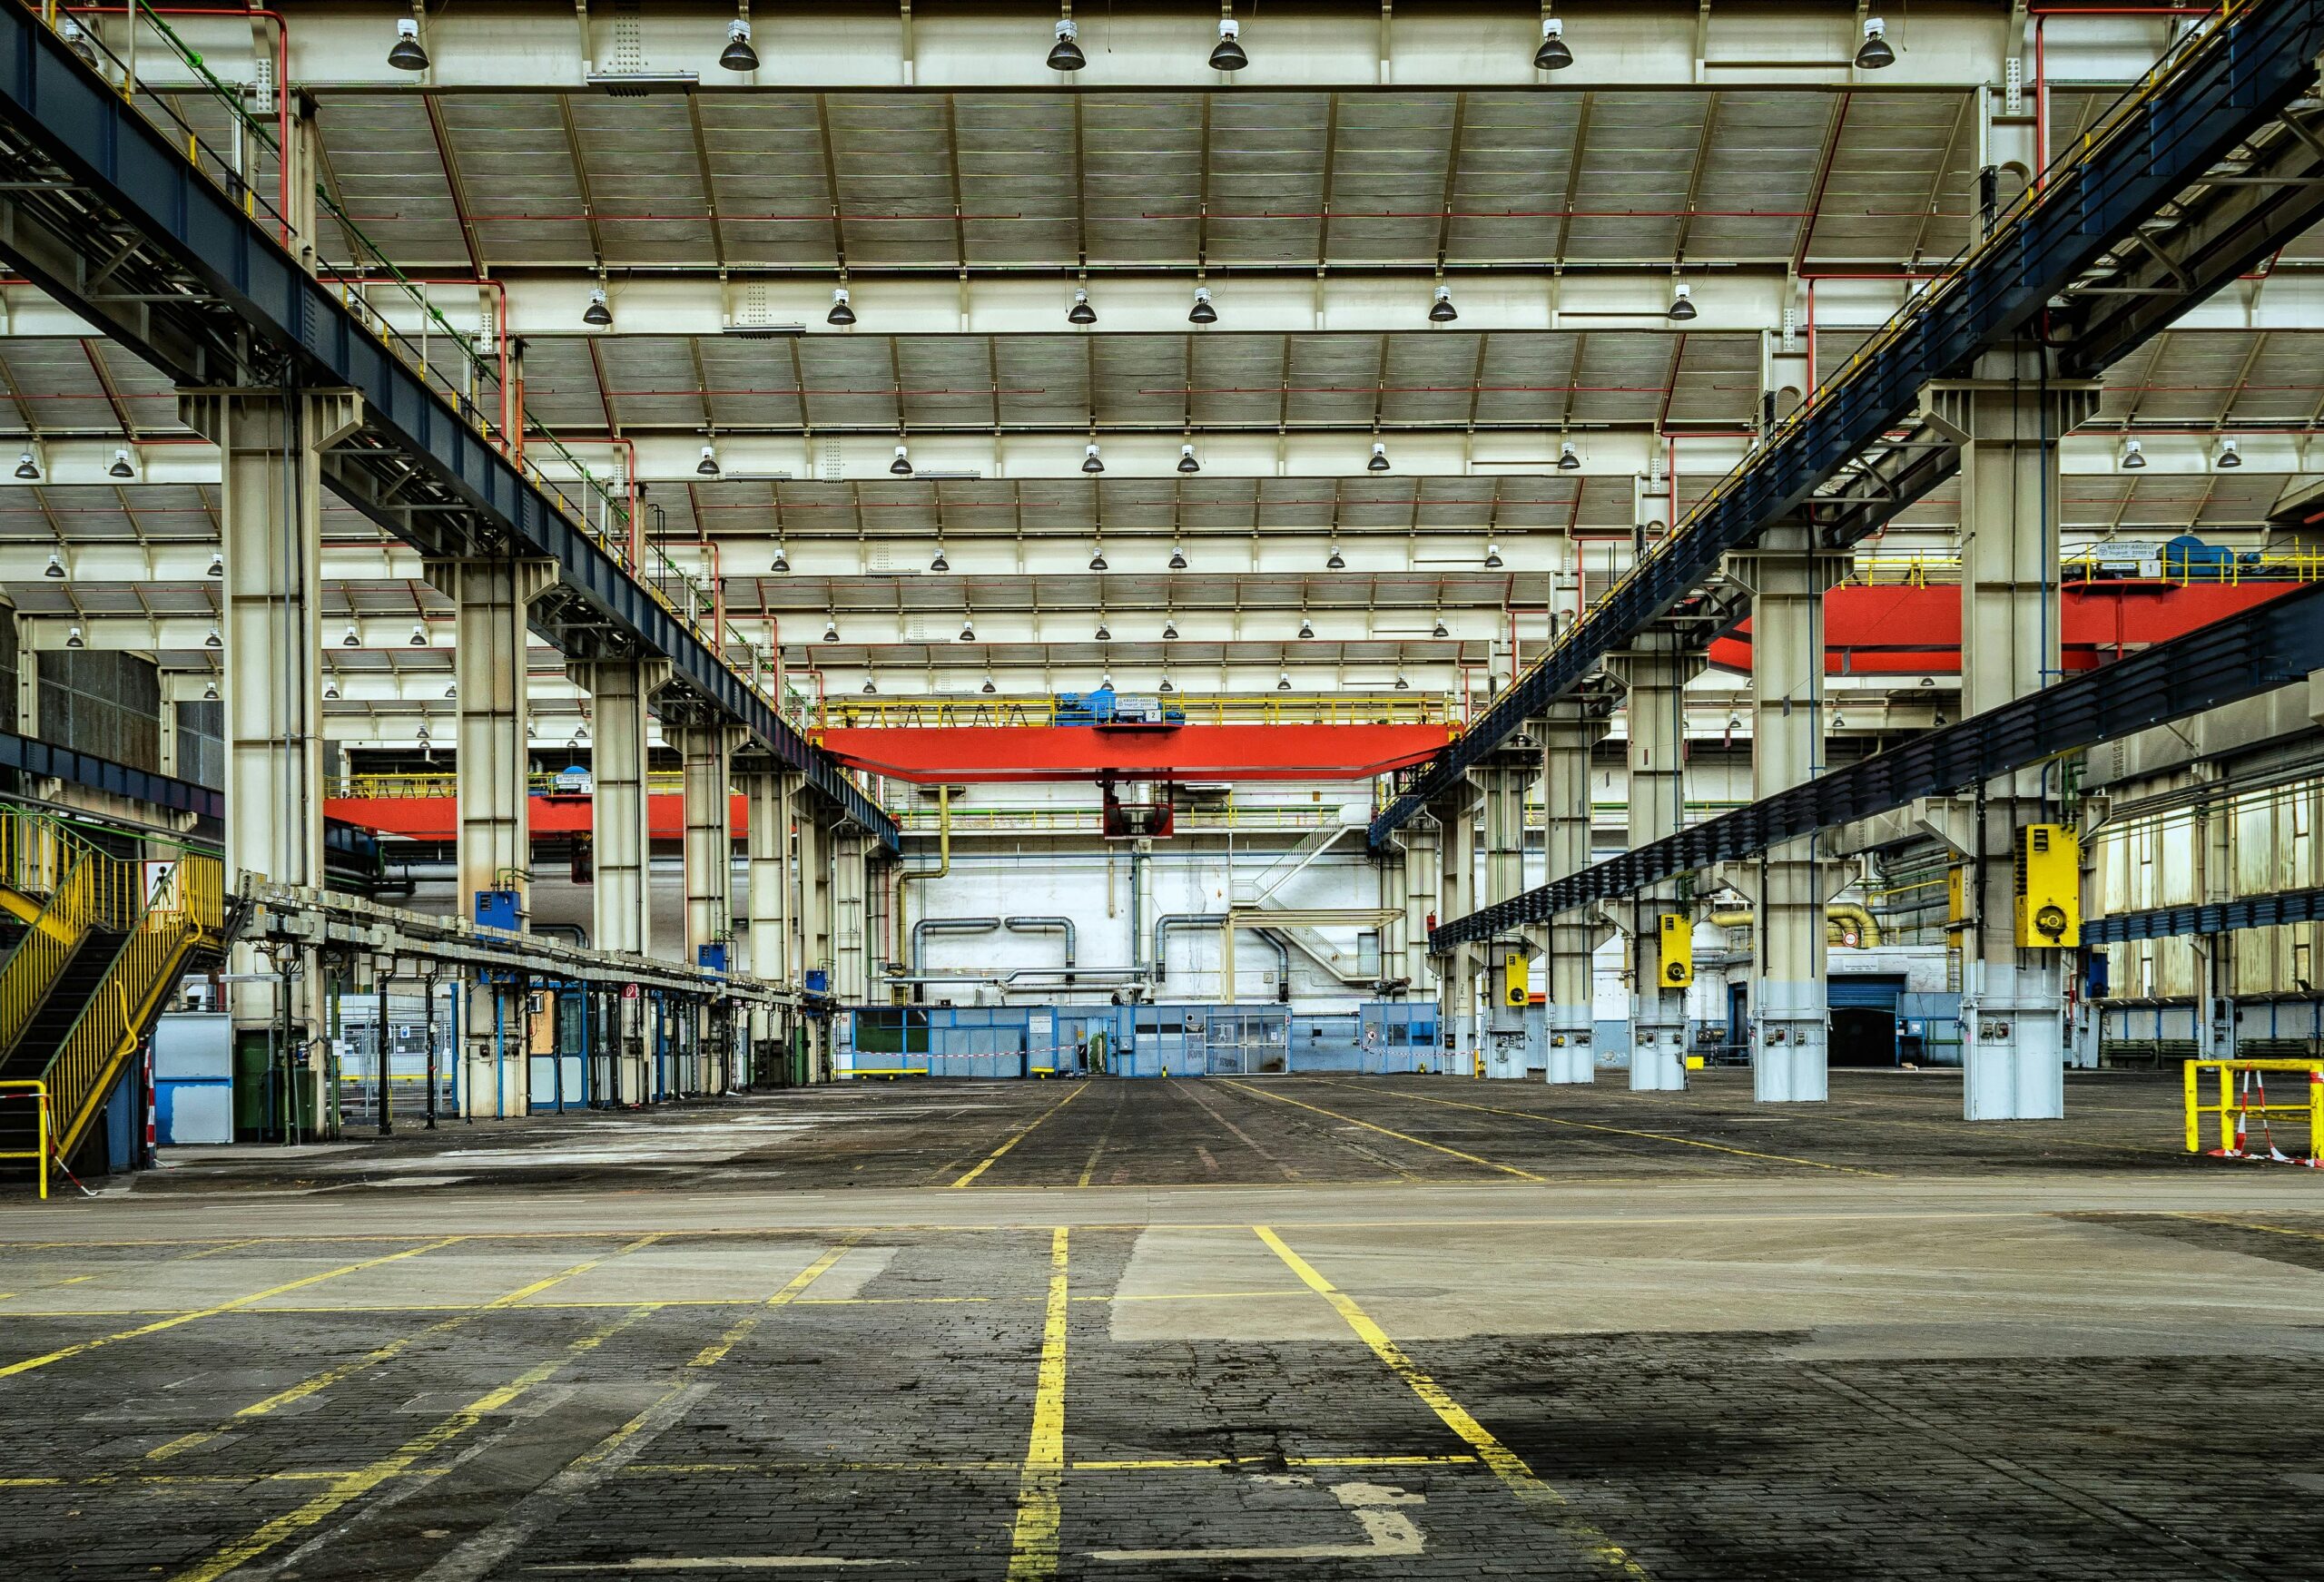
171,924
98,891
39,1152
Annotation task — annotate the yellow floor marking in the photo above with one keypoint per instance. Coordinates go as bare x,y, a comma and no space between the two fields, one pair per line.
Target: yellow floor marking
1197,1463
1627,1132
1032,1544
191,1479
1021,1135
399,1461
46,1358
1505,1463
1104,1137
317,1382
1383,1131
793,1290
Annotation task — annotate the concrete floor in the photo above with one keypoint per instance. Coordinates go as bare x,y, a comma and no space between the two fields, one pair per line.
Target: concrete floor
1288,1328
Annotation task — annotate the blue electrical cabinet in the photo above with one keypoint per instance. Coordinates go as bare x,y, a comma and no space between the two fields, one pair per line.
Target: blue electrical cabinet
496,909
711,958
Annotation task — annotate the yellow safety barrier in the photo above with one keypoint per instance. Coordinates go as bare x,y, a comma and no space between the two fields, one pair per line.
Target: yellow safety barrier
188,911
39,1153
2239,1103
97,890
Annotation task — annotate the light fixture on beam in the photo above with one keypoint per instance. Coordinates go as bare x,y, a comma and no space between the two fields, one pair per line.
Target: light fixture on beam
1177,558
599,313
214,640
1098,560
1492,557
1875,52
1402,684
831,631
1102,635
1555,55
967,631
708,466
782,561
1441,310
1169,630
901,465
418,635
72,638
1165,689
1569,458
1442,630
331,692
1202,311
27,469
1091,462
988,689
1282,681
1065,54
210,692
2134,455
1379,462
842,312
1336,562
940,563
738,55
406,53
120,467
1682,306
349,640
55,566
217,563
1227,54
1306,627
868,687
2227,458
1080,312
1187,461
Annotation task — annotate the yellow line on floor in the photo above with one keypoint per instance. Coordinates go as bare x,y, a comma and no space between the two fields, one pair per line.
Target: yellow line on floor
317,1382
1032,1543
399,1461
1504,1462
1626,1132
46,1358
1383,1131
1021,1135
792,1290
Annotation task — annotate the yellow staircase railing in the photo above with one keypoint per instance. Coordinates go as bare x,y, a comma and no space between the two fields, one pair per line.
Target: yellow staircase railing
185,912
89,890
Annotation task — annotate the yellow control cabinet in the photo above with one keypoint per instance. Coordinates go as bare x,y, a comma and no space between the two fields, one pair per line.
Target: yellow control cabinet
1516,983
1678,939
2048,886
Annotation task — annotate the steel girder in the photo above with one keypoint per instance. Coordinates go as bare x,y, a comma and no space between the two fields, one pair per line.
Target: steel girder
2170,153
2280,643
2251,911
118,223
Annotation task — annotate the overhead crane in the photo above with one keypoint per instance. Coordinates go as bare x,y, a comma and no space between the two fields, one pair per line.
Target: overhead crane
2211,169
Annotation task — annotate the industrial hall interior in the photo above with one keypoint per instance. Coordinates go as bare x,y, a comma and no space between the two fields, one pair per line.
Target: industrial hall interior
1162,791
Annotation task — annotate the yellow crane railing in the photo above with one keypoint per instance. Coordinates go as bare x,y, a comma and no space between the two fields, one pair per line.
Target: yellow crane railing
98,891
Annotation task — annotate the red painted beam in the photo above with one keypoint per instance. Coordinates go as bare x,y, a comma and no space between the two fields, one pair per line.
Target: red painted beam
438,818
1916,630
938,754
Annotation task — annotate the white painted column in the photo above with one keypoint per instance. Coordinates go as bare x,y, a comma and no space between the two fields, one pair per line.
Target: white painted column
2012,1002
621,839
767,845
1789,885
1567,734
270,499
495,851
851,914
1655,669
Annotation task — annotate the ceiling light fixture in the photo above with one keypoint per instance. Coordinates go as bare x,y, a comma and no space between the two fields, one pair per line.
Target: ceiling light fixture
1555,55
868,686
598,314
1177,558
1402,684
1202,312
421,735
1492,557
1065,54
841,314
1080,312
940,563
406,54
1306,627
1187,461
1875,51
27,469
72,638
351,640
217,563
2229,456
901,465
1103,635
1169,631
55,566
831,631
120,467
1442,630
418,635
452,691
988,686
782,561
331,692
210,693
1282,681
1090,460
1226,55
968,632
1097,561
1165,689
1569,458
1442,311
738,55
1682,306
2134,455
1379,462
1337,562
708,466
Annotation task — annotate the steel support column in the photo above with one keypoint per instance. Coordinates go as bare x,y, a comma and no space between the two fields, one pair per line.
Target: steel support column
494,849
767,847
1655,669
850,916
1510,1046
621,843
1568,731
2013,1003
1456,889
1789,883
271,528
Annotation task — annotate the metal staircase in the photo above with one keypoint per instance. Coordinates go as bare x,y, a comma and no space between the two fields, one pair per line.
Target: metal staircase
103,940
1259,893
